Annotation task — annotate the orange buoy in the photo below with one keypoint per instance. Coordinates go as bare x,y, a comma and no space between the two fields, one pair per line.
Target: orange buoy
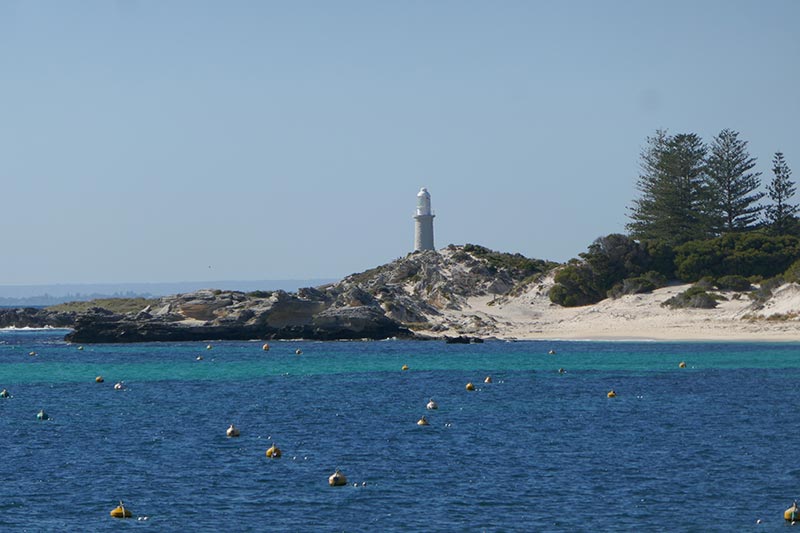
273,452
121,512
681,365
337,479
99,379
404,367
792,513
611,394
470,386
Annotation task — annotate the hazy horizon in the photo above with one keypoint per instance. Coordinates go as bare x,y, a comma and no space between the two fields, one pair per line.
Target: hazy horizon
61,290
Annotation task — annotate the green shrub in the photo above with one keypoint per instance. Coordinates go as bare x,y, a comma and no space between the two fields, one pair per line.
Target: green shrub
631,286
733,283
575,286
706,283
742,254
515,262
792,274
647,282
764,291
693,297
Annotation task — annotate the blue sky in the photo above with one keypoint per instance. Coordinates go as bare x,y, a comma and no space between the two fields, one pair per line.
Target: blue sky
167,141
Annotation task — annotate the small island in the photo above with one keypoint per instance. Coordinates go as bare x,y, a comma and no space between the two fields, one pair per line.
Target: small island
709,255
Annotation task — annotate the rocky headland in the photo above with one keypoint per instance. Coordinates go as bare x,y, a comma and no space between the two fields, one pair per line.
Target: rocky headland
407,298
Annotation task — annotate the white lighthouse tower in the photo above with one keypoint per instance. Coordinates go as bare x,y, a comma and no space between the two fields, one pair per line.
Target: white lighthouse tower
423,222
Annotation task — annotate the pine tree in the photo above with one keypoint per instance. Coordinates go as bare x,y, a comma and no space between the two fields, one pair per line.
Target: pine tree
733,188
674,196
780,214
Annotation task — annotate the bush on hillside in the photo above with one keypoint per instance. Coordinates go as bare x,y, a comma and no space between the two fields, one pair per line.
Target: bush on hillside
515,262
742,254
647,282
792,274
693,297
733,283
766,288
575,286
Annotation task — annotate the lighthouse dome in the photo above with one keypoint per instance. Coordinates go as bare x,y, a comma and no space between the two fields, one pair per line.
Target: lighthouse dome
424,192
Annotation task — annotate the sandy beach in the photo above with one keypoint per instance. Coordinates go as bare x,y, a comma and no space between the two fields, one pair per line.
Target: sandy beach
632,317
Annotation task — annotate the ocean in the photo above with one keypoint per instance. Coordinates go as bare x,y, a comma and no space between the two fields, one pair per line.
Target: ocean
709,447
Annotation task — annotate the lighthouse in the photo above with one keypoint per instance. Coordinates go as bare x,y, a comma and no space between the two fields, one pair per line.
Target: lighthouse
423,222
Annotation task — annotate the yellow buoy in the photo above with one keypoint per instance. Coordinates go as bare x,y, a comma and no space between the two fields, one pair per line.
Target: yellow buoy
470,386
232,431
681,365
120,511
99,379
404,367
273,452
337,479
265,347
432,405
298,351
423,421
792,513
611,394
488,379
208,347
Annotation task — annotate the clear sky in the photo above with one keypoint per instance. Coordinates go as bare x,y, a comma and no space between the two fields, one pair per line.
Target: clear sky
145,141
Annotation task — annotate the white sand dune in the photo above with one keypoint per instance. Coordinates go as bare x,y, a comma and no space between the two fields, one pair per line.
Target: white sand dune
640,316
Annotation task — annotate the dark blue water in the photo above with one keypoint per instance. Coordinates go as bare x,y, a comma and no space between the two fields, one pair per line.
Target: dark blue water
712,447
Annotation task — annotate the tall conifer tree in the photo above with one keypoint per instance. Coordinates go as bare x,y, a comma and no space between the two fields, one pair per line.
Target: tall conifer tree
732,185
674,197
780,213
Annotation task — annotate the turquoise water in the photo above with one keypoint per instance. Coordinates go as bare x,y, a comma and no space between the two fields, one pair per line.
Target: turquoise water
705,448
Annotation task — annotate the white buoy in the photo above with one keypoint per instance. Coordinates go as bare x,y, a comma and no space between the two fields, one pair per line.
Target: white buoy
432,405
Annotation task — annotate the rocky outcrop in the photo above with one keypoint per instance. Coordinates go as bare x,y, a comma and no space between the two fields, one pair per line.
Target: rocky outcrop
31,317
388,301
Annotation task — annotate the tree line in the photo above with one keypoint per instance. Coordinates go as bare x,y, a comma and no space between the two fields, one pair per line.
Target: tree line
701,213
690,190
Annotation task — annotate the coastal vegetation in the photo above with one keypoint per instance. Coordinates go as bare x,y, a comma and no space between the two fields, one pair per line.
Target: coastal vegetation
701,214
115,305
